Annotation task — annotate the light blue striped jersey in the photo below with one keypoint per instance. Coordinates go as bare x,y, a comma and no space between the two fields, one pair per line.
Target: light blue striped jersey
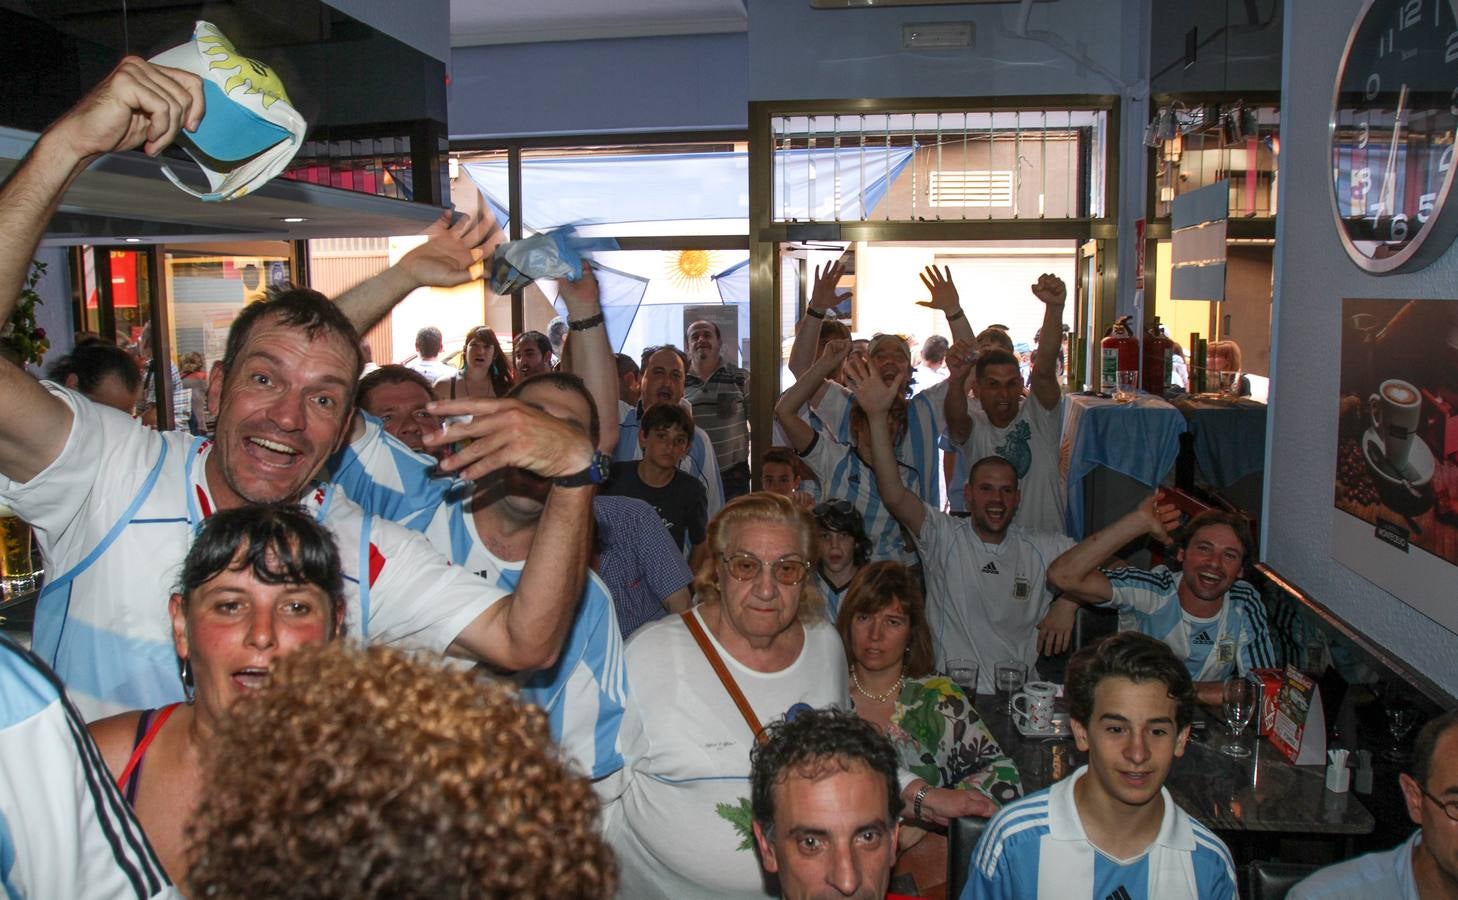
1386,875
1036,849
65,830
584,692
919,449
1149,602
843,475
387,478
700,461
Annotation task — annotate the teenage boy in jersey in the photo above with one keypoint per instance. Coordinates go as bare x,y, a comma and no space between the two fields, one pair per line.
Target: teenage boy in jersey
493,532
664,371
987,584
844,470
1005,423
1110,830
115,505
917,447
1425,866
657,479
1212,620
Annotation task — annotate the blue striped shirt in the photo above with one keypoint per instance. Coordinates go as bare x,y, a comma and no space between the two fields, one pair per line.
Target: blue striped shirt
700,461
1036,849
842,474
387,478
584,693
918,450
1149,602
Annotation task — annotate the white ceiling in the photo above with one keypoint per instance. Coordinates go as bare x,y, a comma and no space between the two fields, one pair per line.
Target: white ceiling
527,21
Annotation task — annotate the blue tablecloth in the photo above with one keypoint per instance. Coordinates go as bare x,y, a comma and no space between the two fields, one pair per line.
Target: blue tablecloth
1229,436
1139,439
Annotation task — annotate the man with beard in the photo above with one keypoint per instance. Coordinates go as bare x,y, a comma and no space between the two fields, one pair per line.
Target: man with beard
1001,421
664,371
1214,622
532,354
719,394
115,505
987,583
494,531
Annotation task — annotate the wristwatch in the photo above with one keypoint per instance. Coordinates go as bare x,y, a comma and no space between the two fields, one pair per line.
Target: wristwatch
585,324
596,472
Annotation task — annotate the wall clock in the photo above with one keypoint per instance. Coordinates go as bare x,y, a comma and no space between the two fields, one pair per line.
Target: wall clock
1392,134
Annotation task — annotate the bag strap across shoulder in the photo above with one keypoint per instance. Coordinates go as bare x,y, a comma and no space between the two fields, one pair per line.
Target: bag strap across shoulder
725,676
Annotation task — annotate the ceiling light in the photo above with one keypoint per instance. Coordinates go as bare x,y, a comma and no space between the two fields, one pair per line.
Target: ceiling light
133,240
293,220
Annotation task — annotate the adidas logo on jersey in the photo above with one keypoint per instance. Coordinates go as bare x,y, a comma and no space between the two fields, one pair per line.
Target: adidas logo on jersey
1120,893
990,569
1203,639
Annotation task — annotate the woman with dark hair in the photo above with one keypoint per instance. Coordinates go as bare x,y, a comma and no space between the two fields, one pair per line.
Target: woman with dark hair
844,548
258,582
937,733
103,373
484,369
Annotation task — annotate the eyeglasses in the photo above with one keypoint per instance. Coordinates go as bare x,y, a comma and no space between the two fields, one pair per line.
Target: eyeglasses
787,570
1449,807
838,507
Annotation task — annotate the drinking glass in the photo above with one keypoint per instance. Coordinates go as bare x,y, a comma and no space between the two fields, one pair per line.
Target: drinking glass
963,673
1008,678
1240,696
1400,720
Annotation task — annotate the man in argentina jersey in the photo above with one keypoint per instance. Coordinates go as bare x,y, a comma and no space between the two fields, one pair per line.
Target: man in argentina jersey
987,584
1214,622
1110,831
918,447
664,370
65,830
491,532
379,472
845,470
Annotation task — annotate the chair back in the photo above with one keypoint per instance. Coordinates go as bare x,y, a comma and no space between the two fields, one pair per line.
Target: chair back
963,833
1272,880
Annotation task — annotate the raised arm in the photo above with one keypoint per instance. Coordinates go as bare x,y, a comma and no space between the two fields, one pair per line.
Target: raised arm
875,397
944,297
1076,573
453,246
138,105
1044,377
822,300
961,363
592,356
526,629
787,409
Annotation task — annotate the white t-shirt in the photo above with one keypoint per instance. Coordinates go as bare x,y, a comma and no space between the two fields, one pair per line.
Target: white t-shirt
433,369
1030,443
101,622
984,601
64,827
681,828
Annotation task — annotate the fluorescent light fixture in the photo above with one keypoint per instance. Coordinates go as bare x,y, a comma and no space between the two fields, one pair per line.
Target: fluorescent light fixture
293,220
133,240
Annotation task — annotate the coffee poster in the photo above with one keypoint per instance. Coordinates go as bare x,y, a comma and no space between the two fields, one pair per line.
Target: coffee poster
1396,519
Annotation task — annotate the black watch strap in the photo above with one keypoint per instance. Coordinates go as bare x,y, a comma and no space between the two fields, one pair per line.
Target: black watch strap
584,324
597,472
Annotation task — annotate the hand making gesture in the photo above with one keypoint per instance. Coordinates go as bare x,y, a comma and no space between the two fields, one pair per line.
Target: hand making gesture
944,295
823,297
1050,289
872,393
1161,518
452,248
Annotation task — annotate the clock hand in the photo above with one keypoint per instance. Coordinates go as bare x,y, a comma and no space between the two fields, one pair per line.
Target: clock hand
1388,200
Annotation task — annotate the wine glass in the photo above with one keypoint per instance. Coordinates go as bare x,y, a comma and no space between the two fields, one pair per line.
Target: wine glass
1240,695
1400,720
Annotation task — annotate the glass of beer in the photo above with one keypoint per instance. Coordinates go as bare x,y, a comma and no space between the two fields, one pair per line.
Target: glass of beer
18,574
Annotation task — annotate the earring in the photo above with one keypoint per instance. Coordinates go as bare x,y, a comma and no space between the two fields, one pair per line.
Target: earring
184,672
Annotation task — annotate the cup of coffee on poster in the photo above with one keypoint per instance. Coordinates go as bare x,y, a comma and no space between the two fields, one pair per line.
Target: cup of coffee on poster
1033,706
1396,410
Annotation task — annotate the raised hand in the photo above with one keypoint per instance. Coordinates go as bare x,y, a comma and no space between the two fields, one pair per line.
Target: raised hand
450,251
872,393
506,433
1160,518
961,358
833,355
1050,289
943,292
581,291
138,105
823,297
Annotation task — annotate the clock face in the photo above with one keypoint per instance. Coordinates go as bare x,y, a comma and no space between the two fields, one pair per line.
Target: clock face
1392,134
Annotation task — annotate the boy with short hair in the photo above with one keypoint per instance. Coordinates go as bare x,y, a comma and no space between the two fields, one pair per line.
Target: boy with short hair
1110,830
780,474
680,499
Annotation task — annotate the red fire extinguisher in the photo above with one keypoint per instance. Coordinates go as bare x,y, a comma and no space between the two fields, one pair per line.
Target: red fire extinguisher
1158,359
1120,353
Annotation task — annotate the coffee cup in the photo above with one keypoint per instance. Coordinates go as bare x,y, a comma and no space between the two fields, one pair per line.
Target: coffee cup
1036,711
1396,410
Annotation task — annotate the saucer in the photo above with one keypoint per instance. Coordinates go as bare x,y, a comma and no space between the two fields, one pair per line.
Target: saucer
1059,728
1419,457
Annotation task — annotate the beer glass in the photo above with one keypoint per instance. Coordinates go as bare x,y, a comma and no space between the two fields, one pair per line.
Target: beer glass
17,574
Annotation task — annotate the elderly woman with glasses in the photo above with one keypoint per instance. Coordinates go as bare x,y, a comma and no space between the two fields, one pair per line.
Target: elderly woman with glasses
680,824
840,533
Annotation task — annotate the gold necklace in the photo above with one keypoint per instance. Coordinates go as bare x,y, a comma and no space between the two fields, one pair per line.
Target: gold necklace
879,698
